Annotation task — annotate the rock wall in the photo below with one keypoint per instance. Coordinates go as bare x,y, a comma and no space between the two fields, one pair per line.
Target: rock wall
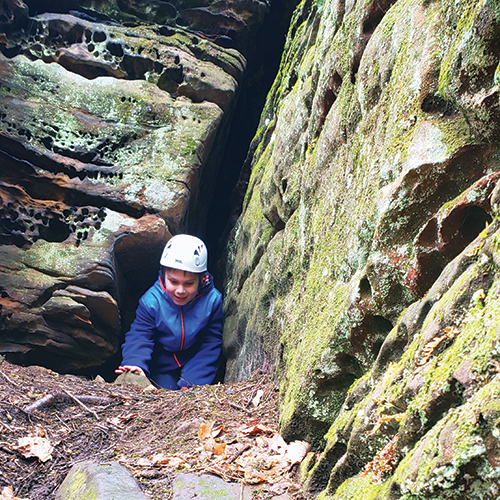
112,115
363,267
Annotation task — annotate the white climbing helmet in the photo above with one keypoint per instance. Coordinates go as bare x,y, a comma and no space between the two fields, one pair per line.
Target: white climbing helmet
185,252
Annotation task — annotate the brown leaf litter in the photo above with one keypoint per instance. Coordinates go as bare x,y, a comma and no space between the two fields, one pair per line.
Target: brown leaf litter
49,422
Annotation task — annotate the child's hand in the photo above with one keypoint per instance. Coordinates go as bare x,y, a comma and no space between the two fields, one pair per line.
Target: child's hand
128,368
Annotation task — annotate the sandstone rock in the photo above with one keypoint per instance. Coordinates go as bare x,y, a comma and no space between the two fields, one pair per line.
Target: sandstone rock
367,237
102,481
134,379
58,300
207,487
101,123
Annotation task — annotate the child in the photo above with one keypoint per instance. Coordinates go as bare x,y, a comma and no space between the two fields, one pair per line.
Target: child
176,337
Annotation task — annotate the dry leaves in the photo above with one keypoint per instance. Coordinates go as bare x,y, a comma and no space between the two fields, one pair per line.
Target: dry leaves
253,453
154,436
266,458
35,445
8,494
449,333
383,461
386,418
257,398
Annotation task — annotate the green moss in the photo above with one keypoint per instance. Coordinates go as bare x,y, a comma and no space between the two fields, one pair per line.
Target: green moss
437,471
335,169
461,18
77,487
356,488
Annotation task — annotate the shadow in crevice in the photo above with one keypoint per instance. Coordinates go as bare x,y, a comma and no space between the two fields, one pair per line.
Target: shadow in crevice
440,242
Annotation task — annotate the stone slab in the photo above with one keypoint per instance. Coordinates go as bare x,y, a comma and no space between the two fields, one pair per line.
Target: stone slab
207,487
93,481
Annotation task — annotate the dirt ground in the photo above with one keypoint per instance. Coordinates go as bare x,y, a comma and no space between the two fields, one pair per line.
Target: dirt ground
49,422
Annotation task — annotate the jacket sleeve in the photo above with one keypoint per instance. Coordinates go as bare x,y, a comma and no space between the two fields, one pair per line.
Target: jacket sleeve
137,348
202,368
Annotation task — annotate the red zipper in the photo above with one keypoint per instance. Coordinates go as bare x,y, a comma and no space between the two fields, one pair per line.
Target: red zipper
182,325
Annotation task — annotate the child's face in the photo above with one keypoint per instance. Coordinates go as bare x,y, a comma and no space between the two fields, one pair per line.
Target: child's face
181,285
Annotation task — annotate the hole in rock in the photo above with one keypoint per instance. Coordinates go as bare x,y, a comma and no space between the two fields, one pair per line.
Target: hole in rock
339,383
166,11
438,246
346,370
328,99
99,36
441,402
115,49
365,289
462,227
391,349
430,266
429,235
376,12
433,103
369,335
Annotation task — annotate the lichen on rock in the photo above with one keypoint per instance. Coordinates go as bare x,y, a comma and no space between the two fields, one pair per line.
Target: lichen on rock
373,176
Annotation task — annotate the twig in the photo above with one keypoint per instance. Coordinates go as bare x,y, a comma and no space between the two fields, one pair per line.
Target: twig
238,453
241,491
6,377
45,401
7,450
63,422
56,398
241,408
81,404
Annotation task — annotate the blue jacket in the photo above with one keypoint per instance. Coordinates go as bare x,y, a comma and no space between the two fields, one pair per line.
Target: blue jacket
165,336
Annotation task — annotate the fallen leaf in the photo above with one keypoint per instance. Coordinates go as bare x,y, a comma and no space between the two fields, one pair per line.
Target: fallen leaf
8,494
35,446
205,430
217,431
278,444
143,462
219,448
297,451
212,446
163,459
385,418
258,397
255,429
209,444
383,461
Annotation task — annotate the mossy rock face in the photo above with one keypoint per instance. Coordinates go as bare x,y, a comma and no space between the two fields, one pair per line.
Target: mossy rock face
128,116
59,306
373,169
113,121
425,426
